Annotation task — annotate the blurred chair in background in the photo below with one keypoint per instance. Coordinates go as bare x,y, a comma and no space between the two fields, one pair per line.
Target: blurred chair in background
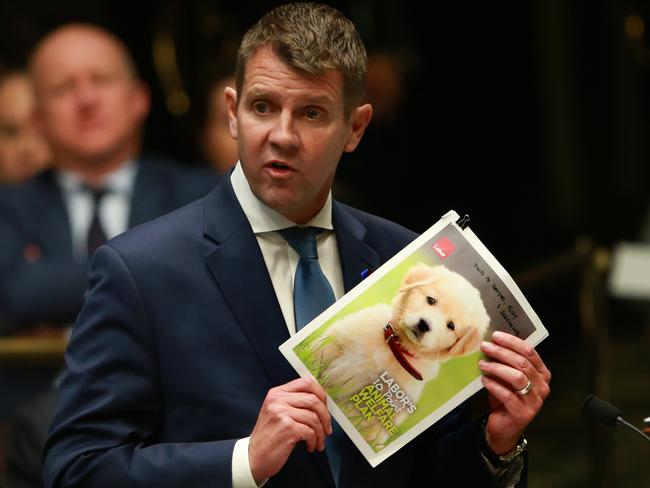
27,434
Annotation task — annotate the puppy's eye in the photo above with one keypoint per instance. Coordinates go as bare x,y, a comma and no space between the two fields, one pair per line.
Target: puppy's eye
451,326
431,301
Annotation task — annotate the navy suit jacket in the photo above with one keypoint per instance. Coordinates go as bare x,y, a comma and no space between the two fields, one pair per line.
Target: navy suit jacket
177,345
40,281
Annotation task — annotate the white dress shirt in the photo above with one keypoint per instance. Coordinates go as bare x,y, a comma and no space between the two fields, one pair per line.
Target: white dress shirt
281,262
114,208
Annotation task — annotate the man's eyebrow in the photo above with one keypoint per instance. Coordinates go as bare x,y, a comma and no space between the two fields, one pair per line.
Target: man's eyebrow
307,100
259,93
319,100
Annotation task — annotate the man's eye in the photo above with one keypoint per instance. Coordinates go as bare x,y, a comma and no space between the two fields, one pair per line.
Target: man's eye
9,131
261,107
60,89
103,79
312,113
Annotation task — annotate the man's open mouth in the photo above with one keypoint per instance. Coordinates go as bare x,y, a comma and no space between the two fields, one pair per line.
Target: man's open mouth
279,165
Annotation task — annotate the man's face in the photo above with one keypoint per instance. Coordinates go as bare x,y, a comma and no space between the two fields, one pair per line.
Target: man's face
291,131
91,107
23,151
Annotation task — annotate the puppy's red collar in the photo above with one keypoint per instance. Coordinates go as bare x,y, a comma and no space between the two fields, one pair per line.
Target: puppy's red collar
392,339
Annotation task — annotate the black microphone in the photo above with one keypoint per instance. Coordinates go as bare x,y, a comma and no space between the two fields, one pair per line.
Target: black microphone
604,412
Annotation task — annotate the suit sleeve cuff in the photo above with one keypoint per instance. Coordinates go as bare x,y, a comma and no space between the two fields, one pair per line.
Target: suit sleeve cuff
508,477
241,470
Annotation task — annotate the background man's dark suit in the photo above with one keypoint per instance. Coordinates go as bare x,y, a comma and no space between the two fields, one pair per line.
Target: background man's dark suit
176,348
40,281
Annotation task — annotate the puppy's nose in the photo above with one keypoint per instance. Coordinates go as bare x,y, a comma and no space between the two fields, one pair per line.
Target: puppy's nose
423,326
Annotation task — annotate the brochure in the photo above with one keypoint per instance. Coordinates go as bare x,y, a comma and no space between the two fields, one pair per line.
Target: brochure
401,349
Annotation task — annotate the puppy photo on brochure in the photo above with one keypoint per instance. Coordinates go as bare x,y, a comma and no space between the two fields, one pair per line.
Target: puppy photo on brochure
400,350
436,315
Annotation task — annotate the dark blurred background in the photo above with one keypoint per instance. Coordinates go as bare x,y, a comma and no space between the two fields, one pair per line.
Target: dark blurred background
532,117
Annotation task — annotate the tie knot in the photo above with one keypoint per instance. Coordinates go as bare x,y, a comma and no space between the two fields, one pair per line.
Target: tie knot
302,240
97,193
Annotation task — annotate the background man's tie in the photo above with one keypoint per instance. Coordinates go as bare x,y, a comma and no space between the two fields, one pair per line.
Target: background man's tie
96,234
312,294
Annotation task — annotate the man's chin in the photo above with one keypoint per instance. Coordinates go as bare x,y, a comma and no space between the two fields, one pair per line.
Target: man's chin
290,205
281,201
94,156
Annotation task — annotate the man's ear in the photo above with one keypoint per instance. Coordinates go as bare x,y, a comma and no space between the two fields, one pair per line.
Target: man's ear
359,120
141,101
231,105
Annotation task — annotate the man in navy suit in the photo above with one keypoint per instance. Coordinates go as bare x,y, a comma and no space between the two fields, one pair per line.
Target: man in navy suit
91,107
174,377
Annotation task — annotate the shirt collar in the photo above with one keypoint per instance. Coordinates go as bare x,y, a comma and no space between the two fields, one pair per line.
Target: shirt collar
263,218
120,181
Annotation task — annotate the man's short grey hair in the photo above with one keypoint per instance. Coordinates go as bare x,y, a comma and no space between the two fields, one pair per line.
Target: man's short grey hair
312,38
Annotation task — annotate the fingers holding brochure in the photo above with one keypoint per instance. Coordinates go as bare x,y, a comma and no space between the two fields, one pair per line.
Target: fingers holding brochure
517,381
293,412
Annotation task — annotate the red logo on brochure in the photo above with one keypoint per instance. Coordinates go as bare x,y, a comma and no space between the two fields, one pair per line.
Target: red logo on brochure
444,247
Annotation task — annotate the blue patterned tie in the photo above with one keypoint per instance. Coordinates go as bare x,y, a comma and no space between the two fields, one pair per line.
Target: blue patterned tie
312,294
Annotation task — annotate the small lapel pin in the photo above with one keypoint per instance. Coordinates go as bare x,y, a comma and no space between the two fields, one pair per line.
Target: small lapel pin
32,253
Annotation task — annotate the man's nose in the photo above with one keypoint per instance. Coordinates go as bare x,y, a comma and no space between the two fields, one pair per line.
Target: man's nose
86,94
283,133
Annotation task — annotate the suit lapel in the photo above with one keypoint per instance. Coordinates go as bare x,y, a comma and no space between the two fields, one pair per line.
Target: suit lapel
356,256
236,262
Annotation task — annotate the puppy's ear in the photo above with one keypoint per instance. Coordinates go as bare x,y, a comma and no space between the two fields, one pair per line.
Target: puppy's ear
418,275
467,343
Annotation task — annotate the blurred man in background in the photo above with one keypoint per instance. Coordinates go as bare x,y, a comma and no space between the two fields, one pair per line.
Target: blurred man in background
23,151
91,106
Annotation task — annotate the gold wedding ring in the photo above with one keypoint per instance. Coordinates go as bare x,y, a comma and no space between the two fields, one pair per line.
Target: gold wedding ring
525,390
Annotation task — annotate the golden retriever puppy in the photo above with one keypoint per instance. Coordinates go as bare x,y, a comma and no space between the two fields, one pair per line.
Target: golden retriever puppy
436,315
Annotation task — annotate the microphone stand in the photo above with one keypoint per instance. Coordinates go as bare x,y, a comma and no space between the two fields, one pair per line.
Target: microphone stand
621,421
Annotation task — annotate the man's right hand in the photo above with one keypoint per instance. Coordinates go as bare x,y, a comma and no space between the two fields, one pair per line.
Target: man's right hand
293,412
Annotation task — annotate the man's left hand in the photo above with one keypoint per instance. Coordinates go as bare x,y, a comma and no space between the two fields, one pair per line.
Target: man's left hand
513,363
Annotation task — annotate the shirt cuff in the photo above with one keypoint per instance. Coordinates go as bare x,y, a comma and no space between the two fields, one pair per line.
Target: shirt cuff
241,469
